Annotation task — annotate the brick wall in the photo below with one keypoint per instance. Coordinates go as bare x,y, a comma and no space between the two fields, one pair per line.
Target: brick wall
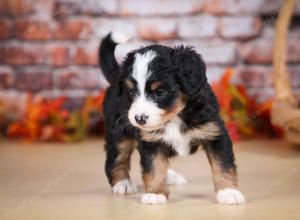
49,47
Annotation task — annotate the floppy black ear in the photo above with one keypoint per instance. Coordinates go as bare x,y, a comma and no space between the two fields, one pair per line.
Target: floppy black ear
190,70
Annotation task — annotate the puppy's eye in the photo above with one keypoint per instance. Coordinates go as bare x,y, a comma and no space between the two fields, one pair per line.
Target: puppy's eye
160,93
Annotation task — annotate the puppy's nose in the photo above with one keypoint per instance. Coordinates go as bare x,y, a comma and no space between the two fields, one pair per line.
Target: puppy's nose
141,119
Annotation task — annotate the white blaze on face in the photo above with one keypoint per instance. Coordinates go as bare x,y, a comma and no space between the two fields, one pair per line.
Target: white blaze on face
142,105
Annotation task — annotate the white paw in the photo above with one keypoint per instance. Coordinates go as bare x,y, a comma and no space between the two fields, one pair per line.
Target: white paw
153,199
230,196
124,187
174,178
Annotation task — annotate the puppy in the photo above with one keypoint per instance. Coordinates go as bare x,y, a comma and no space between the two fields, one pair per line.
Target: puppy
159,101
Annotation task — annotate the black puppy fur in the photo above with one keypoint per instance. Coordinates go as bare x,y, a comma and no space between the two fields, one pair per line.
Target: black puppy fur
181,71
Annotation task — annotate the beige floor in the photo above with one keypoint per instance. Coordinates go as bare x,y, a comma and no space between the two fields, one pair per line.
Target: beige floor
66,181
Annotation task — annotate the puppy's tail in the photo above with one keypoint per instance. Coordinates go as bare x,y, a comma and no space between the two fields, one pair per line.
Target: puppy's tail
107,60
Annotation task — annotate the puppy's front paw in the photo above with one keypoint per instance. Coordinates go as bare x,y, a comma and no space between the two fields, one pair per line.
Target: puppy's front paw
153,199
230,196
124,187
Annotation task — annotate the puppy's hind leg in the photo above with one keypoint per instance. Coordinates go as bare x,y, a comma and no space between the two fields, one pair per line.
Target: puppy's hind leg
118,165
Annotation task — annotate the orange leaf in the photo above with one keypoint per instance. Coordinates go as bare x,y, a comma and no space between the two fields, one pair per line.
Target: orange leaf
227,76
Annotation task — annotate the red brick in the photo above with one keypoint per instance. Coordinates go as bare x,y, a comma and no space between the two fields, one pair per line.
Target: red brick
78,78
234,7
255,75
293,50
243,7
32,30
262,75
86,54
58,55
5,29
158,7
63,8
24,7
3,7
268,30
199,26
240,27
124,25
123,49
271,7
22,54
34,80
274,6
73,29
213,51
107,7
218,52
295,75
261,94
293,33
19,7
157,29
260,51
6,77
91,7
214,72
28,54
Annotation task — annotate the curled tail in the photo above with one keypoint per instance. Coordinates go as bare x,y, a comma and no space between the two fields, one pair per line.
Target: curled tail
107,60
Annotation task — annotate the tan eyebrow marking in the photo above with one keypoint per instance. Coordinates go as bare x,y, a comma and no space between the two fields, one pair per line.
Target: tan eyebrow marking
129,83
155,85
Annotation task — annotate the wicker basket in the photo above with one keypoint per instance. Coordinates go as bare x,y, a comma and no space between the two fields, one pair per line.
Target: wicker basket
285,109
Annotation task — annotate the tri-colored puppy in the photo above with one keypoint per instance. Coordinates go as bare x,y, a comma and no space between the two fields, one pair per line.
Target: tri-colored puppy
159,101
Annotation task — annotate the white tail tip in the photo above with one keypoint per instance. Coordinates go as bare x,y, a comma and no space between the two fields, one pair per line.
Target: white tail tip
119,37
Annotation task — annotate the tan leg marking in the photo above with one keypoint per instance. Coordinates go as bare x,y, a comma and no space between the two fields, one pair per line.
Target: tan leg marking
155,180
221,178
122,165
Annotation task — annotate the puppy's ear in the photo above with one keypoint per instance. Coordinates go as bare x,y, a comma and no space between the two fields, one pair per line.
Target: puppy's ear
189,70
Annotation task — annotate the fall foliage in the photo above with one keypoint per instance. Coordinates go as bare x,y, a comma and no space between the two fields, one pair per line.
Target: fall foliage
48,120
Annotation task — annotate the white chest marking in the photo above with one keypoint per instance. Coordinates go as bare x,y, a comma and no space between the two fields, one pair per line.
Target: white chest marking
180,141
174,137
